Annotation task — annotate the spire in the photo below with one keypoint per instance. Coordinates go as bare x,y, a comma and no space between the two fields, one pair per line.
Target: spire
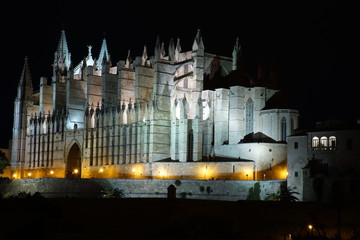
198,43
25,75
103,54
89,58
157,48
128,60
235,54
62,55
25,84
144,57
171,50
162,51
177,50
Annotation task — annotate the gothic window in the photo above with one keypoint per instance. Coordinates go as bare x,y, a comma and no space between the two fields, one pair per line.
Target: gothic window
332,142
283,129
190,147
323,142
249,116
315,143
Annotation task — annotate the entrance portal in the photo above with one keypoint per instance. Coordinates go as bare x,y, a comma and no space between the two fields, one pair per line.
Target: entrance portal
73,163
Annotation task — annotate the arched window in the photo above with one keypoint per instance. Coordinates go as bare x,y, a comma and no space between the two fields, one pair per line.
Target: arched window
323,143
283,129
332,143
249,116
190,148
315,143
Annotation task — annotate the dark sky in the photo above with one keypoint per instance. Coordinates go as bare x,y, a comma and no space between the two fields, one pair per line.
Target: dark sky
308,42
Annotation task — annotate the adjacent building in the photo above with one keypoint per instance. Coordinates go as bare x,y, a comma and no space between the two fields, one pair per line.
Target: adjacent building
324,162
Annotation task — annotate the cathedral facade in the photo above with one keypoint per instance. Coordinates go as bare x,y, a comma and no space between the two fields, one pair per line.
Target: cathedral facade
176,114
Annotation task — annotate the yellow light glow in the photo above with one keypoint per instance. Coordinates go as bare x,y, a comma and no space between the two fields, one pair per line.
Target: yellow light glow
29,174
14,175
76,171
101,170
51,172
162,173
247,172
205,170
310,227
133,170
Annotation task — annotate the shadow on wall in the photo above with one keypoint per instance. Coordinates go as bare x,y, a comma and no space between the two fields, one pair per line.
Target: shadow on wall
254,192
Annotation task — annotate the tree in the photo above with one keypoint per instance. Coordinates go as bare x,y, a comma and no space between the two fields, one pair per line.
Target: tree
3,162
285,194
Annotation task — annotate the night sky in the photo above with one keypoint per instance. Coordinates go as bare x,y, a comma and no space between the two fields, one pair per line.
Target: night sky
309,43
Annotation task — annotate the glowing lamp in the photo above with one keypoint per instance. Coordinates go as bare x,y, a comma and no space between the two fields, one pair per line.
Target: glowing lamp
76,171
51,172
101,170
14,175
29,174
133,170
310,227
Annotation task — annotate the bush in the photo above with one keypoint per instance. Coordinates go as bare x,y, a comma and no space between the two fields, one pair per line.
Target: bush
24,194
113,193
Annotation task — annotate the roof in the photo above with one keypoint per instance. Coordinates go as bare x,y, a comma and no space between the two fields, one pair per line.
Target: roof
279,100
328,125
234,78
258,137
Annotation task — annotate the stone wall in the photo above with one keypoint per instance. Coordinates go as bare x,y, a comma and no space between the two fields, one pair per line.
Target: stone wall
140,188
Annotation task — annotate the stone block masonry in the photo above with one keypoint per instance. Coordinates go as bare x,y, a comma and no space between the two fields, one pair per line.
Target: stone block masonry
229,190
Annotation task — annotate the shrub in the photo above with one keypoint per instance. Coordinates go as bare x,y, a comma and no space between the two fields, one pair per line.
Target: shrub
113,193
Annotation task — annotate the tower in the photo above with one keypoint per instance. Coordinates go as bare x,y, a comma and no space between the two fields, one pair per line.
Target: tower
62,61
22,102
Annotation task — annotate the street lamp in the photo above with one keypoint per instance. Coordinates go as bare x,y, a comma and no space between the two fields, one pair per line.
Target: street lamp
247,174
310,227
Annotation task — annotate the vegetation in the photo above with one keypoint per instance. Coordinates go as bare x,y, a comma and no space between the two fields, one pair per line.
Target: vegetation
285,194
24,194
112,193
4,161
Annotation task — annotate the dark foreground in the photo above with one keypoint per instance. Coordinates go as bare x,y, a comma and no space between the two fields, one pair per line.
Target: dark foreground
170,219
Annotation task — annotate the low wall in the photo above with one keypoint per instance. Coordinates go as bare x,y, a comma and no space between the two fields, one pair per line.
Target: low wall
231,190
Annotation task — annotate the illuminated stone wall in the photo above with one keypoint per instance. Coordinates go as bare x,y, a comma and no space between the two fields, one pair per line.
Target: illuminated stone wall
230,190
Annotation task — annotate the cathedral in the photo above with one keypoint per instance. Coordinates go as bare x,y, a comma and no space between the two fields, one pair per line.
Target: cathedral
177,114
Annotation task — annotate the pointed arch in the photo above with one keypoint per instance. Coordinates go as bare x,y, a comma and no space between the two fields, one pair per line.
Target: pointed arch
249,116
73,161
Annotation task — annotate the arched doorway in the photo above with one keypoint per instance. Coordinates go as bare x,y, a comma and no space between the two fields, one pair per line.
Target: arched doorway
73,163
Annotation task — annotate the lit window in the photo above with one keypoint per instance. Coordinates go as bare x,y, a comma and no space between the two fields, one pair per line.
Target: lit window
315,143
323,142
332,142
